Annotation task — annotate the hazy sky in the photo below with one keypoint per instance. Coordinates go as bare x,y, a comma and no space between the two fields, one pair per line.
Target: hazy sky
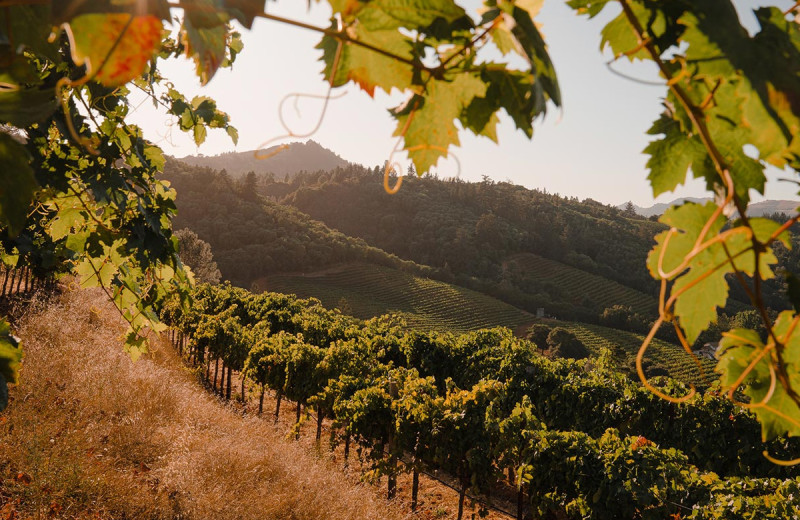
591,149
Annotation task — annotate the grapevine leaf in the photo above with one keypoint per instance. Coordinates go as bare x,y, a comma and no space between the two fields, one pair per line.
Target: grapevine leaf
381,15
704,290
245,11
10,354
793,290
17,183
135,345
703,294
65,10
66,219
788,334
206,46
233,134
741,348
26,106
620,36
531,41
22,27
770,99
429,122
114,47
672,156
701,286
504,39
588,7
368,69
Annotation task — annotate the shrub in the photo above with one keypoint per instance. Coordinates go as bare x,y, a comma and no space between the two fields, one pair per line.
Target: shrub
564,344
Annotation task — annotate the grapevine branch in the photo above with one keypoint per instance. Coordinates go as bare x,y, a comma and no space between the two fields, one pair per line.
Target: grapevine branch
695,115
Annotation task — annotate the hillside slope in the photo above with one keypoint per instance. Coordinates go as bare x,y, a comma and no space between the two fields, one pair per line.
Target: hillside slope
578,285
90,434
252,237
369,290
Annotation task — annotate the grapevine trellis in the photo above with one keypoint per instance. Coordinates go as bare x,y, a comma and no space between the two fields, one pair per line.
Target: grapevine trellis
570,438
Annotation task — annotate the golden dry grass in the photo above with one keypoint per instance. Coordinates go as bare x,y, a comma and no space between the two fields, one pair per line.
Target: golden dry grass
90,434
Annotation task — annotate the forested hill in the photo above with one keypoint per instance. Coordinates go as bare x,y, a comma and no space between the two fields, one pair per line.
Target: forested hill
252,237
471,229
526,247
308,156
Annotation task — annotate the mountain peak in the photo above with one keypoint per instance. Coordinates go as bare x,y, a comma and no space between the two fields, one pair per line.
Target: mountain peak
297,157
756,209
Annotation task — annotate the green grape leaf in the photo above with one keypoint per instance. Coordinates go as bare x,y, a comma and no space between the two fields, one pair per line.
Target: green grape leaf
17,183
233,133
429,122
703,292
743,348
135,344
786,332
26,106
67,219
701,284
770,99
620,37
115,48
366,68
207,46
672,156
590,8
10,354
504,39
546,84
23,30
382,15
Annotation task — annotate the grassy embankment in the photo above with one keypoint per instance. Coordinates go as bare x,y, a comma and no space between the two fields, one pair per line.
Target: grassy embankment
91,434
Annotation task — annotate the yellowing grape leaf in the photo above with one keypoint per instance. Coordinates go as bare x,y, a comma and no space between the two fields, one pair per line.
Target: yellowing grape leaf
368,69
429,122
114,47
206,46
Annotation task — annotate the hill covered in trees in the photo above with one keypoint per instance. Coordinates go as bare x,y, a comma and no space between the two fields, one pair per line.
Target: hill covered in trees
252,237
519,245
308,156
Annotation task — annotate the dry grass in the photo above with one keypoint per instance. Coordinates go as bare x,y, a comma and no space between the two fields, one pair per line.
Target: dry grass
89,434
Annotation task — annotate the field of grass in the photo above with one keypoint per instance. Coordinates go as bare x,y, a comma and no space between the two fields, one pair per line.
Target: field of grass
680,365
578,285
370,290
92,435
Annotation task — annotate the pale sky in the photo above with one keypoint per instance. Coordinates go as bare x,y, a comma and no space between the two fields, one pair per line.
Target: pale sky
591,149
